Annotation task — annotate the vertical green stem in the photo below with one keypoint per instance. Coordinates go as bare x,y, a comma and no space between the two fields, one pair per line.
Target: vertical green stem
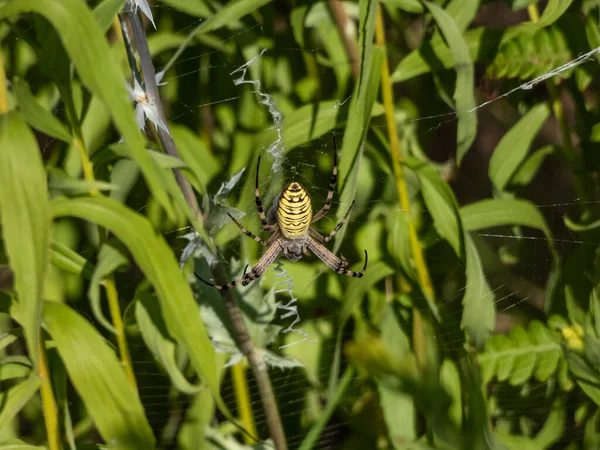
3,93
115,313
49,407
415,244
244,405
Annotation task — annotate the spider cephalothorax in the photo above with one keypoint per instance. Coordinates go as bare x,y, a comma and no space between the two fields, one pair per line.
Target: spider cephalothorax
289,221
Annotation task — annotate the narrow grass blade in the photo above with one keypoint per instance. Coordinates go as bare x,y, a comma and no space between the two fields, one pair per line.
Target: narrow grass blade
155,259
25,219
89,51
37,116
512,149
99,379
13,399
464,96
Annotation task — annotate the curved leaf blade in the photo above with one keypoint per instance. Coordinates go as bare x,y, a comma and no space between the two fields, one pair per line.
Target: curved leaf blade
155,259
25,219
86,46
99,379
37,116
464,96
512,149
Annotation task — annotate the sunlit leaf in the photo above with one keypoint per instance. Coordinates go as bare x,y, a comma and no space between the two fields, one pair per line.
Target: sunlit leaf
514,146
464,96
156,260
26,221
99,379
86,46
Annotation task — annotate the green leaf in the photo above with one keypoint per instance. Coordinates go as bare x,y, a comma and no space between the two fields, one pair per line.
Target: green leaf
554,426
15,398
228,15
60,183
512,150
106,11
200,161
311,438
14,367
553,11
85,44
500,212
196,8
586,376
110,258
398,407
360,110
25,219
482,44
574,226
358,287
478,317
521,355
155,259
37,116
462,12
16,444
450,380
530,167
70,261
464,96
441,203
155,335
99,379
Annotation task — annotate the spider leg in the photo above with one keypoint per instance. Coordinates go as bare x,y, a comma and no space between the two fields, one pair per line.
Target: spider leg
339,225
261,266
344,260
246,232
333,262
259,205
332,183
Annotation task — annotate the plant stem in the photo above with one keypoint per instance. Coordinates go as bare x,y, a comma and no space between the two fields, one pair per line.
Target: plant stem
242,397
341,21
151,89
415,244
48,401
115,313
3,93
257,365
240,331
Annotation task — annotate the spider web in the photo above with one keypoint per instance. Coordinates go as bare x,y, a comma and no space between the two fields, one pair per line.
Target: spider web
303,320
301,327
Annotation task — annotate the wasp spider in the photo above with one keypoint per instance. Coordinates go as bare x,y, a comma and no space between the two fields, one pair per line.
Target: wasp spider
292,235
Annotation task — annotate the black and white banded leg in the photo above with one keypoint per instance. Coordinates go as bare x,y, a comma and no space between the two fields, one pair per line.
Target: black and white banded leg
333,262
261,266
332,184
246,232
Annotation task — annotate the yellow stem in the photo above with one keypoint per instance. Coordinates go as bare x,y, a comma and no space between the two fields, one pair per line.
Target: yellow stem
48,401
3,92
86,164
534,15
115,313
243,401
415,244
388,103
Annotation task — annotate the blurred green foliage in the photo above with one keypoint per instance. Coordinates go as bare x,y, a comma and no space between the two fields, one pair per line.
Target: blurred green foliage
108,341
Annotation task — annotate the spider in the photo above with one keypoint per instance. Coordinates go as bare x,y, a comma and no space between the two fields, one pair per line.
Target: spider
292,234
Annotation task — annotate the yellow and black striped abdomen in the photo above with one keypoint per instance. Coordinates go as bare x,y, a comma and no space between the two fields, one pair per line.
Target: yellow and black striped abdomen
294,211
